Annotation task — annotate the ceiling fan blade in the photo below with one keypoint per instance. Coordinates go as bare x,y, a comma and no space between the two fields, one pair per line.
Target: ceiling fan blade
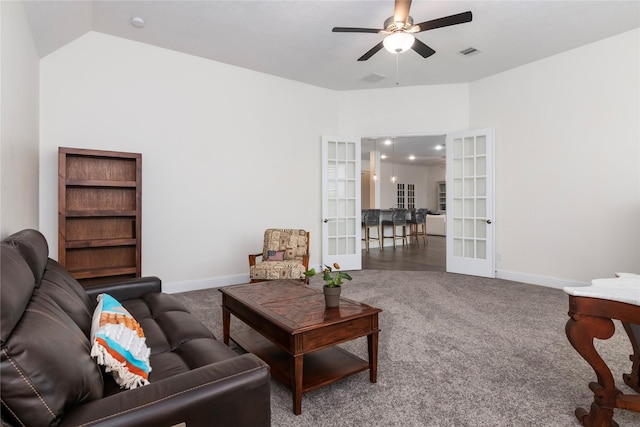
401,11
371,52
424,50
355,30
459,18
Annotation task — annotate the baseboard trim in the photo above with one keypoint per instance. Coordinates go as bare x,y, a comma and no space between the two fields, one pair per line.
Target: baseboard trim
208,283
217,282
534,279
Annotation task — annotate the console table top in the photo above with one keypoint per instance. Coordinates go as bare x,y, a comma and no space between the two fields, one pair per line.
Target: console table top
625,288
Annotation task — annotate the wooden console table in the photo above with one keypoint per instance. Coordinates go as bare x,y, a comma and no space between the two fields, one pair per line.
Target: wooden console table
591,311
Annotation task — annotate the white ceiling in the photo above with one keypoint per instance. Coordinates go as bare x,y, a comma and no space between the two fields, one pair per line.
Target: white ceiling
293,39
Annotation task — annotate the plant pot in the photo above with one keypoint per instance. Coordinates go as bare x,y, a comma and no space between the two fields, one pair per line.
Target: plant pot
331,296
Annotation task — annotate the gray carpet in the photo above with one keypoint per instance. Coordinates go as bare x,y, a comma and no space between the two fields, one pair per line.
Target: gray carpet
454,351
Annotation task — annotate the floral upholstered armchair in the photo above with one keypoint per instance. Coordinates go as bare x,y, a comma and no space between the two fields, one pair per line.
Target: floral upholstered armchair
285,255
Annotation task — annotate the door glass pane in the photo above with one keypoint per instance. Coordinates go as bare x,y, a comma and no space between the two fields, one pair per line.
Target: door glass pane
481,229
342,246
331,152
481,208
457,168
351,245
342,151
351,206
332,243
341,208
481,166
469,167
331,208
469,149
481,187
331,229
457,188
351,189
457,247
457,227
351,170
341,190
481,249
351,226
457,147
468,228
469,245
341,170
457,207
481,145
468,187
468,208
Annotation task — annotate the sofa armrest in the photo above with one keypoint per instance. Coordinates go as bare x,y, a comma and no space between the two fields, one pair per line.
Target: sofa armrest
126,289
233,392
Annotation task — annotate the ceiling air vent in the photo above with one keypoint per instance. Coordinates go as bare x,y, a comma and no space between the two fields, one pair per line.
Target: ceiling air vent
374,78
469,51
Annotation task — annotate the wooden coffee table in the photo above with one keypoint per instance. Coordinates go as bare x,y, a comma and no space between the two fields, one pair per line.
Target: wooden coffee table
292,331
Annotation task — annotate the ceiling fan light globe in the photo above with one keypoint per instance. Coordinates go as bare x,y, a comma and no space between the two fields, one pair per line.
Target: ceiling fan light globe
398,42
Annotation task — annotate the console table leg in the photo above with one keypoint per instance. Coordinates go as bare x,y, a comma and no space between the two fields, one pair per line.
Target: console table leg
581,331
633,379
297,383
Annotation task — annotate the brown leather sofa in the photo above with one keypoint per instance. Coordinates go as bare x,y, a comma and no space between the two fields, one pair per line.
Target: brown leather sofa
49,378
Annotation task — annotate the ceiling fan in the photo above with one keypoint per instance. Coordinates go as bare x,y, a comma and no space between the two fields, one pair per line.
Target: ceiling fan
399,30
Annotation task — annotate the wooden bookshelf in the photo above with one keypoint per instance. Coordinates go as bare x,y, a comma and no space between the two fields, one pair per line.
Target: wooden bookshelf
99,214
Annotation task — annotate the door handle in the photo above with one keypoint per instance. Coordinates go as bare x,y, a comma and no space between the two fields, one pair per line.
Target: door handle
488,221
325,221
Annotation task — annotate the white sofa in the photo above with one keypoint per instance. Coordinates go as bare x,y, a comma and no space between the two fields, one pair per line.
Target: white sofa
437,225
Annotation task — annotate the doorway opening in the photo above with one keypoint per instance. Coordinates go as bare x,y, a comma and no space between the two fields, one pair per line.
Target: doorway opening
391,164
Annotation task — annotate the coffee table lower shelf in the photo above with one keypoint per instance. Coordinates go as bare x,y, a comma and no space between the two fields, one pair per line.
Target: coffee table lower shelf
320,368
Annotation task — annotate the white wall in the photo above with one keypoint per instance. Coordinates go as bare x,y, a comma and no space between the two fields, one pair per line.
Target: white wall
226,152
19,121
567,161
413,110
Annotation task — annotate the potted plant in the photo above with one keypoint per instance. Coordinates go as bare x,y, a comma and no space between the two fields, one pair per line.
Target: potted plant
332,283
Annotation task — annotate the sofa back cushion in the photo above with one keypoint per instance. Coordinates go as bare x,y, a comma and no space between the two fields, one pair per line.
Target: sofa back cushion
45,362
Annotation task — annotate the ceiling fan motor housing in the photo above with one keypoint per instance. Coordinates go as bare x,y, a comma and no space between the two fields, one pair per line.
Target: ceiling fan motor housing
390,24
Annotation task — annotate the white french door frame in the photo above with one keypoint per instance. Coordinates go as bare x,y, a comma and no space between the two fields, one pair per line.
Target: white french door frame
470,185
341,202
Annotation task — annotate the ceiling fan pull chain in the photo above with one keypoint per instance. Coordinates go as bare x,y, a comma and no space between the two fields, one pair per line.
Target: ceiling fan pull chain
397,69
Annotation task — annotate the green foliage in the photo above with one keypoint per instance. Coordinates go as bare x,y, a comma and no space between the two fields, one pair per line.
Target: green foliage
331,279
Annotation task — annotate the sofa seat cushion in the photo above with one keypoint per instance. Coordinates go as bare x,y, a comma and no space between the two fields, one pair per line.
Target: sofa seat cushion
178,341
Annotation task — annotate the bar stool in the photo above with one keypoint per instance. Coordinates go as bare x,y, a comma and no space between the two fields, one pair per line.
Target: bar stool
398,219
418,226
371,220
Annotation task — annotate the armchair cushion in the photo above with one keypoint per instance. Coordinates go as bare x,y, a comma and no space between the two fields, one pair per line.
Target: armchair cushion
285,255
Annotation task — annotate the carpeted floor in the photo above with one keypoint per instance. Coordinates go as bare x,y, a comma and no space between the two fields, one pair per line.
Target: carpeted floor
454,351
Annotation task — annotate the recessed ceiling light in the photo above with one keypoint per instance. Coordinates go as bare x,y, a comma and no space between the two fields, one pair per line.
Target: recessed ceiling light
387,142
137,22
412,157
383,156
438,147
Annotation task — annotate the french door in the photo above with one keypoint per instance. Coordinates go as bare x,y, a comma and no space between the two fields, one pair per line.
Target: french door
341,232
470,205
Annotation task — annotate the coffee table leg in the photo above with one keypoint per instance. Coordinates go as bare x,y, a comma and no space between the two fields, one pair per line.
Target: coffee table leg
372,344
226,321
297,383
